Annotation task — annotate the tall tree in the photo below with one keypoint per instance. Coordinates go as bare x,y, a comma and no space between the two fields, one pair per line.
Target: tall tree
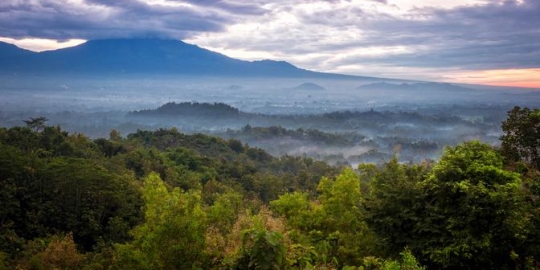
521,138
472,217
173,234
394,202
36,124
335,221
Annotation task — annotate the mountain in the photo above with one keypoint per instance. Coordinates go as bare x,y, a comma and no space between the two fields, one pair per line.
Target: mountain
9,50
144,56
309,87
9,57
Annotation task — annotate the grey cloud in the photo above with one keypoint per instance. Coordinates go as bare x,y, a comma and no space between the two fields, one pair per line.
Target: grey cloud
239,7
474,37
123,18
493,36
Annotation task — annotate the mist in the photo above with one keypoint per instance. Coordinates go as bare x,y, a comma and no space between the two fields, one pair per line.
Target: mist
358,120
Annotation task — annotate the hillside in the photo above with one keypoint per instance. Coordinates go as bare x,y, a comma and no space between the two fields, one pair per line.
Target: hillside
173,109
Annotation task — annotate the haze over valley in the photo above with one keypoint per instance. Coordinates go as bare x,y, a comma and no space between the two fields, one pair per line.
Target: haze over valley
86,91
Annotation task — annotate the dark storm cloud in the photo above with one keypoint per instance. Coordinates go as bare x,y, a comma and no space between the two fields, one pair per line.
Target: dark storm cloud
123,18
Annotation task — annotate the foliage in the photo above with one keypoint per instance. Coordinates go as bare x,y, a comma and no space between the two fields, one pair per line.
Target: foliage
334,223
166,200
45,194
37,123
466,212
408,262
172,236
56,252
394,201
520,140
263,250
472,214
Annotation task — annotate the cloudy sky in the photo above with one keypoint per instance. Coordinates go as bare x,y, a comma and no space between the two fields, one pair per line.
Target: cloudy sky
472,41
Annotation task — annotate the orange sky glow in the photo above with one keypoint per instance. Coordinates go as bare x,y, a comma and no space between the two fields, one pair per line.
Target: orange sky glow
529,78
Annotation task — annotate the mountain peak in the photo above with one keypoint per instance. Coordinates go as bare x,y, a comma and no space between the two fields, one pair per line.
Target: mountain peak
275,63
146,45
309,86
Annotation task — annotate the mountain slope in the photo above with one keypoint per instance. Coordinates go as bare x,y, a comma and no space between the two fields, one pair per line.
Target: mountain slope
147,56
9,50
11,58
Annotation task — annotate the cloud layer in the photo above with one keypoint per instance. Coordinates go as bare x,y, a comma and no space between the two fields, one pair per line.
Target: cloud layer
92,19
371,37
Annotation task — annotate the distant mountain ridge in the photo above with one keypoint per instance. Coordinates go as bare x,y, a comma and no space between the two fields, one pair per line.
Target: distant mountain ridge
144,56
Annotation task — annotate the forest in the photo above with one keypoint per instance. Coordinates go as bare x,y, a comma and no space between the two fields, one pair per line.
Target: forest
163,199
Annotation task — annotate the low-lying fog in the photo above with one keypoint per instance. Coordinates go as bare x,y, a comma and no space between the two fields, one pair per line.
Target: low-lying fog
283,116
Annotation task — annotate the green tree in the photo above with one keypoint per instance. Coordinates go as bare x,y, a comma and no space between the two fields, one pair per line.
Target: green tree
262,249
342,201
222,214
521,138
60,253
334,224
297,208
173,234
408,262
472,216
529,252
394,202
36,124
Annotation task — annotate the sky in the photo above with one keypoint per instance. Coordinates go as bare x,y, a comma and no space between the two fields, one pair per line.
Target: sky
495,42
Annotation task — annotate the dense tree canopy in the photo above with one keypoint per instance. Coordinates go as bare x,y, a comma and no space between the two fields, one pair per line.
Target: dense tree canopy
166,200
521,139
473,210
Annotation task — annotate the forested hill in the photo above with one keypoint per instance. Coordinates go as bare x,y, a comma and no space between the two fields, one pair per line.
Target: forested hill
173,109
166,200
